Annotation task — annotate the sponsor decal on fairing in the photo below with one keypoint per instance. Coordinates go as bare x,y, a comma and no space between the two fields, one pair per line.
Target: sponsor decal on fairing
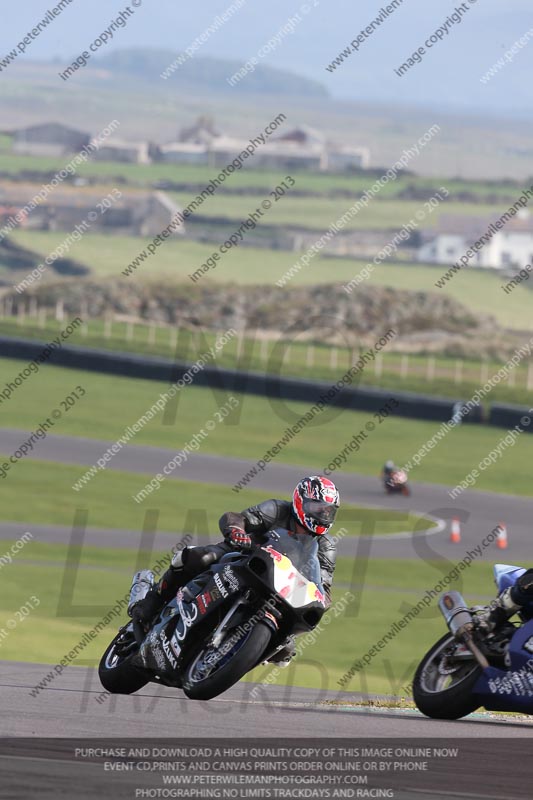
220,586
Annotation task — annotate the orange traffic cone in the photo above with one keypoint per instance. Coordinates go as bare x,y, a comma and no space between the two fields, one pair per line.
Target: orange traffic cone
455,534
502,540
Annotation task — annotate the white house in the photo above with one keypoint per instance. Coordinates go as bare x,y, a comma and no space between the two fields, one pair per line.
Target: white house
123,151
184,153
346,158
511,246
299,148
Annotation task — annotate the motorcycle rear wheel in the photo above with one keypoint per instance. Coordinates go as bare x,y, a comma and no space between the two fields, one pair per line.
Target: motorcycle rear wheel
203,681
445,696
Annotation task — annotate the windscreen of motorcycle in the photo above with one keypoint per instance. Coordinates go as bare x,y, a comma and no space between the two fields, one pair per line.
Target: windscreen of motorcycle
296,567
506,575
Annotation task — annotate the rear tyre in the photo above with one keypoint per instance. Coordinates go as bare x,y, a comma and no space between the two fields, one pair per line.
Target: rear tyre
117,674
206,677
442,686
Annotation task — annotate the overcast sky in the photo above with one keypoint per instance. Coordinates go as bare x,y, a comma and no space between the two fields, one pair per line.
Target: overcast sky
449,74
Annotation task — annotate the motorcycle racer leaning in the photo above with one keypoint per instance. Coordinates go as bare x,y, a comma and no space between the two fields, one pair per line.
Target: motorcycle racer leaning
314,505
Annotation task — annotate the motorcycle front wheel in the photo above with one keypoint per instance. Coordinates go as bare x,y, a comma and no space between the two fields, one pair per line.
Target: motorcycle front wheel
116,672
443,685
214,670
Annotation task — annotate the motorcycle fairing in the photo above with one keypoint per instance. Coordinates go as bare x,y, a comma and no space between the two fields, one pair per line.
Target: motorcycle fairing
166,645
512,689
162,648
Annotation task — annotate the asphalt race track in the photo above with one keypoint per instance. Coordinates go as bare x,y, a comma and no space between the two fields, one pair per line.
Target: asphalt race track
480,512
70,709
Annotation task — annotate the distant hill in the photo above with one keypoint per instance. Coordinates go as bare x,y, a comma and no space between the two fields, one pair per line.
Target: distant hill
208,74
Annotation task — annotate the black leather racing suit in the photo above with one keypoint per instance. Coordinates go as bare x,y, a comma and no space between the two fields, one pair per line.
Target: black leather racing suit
256,521
278,514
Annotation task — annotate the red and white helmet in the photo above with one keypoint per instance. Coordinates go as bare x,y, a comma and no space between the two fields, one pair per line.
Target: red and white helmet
315,502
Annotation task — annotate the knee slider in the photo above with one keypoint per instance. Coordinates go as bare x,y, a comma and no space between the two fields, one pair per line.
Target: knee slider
178,559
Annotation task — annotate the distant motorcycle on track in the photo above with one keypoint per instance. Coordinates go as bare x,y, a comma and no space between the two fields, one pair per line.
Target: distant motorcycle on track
223,623
396,482
472,667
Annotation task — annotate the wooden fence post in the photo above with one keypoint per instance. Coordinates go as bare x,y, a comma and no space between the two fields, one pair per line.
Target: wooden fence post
530,377
240,344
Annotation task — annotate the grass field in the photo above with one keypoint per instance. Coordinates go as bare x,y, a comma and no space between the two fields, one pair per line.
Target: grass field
107,256
179,506
246,178
112,403
320,213
383,595
444,376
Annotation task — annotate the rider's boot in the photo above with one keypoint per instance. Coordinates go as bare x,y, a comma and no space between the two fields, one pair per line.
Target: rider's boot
163,591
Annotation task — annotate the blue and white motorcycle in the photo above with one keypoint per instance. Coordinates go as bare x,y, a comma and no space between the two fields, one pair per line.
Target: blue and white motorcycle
470,667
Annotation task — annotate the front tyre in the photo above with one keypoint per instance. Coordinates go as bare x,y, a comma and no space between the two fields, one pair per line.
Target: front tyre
213,671
443,684
116,672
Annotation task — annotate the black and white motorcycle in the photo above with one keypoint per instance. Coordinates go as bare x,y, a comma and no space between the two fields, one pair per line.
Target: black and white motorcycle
222,624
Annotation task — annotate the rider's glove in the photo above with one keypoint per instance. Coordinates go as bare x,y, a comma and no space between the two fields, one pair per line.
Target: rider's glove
238,537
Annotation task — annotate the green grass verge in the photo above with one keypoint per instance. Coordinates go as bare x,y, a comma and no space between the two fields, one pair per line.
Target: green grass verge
113,403
385,596
180,506
288,358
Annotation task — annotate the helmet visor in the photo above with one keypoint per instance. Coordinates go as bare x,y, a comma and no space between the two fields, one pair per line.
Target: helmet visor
324,513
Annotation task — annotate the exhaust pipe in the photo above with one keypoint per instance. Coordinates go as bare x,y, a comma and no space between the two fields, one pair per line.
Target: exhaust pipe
460,623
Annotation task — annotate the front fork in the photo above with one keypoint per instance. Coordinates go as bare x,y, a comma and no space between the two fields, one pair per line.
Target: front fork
261,615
